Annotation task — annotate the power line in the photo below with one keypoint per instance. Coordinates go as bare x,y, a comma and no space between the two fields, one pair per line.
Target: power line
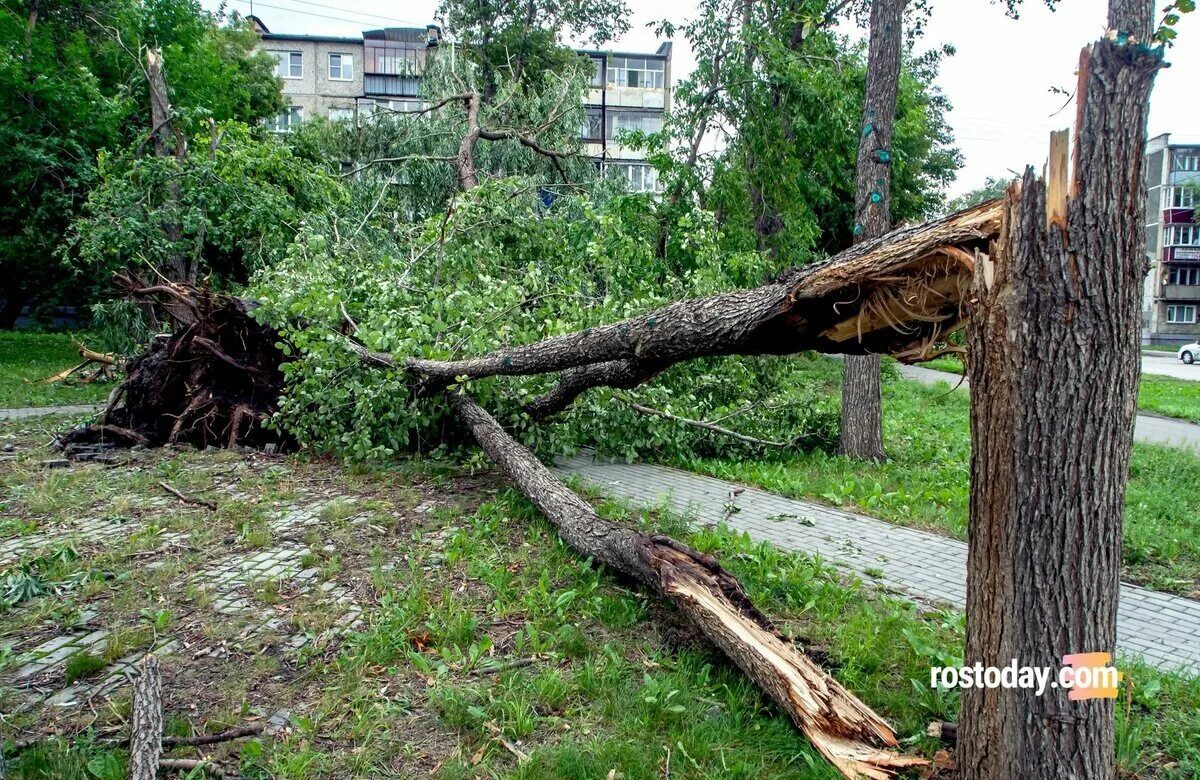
357,13
325,16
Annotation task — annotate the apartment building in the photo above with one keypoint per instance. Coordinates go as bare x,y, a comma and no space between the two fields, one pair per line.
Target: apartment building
1171,307
345,78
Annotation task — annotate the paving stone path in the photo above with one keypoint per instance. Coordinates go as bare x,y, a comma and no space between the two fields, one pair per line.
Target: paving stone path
230,581
38,411
1163,629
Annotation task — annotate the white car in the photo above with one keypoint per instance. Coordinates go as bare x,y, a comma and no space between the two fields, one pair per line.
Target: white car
1189,353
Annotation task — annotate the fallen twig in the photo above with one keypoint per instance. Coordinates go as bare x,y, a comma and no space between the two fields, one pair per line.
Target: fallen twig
188,499
212,739
646,410
189,764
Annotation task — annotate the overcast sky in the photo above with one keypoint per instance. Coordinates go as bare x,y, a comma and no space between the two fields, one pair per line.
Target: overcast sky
999,82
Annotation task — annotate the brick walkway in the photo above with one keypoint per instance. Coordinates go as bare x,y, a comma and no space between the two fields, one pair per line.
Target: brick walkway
1163,629
38,411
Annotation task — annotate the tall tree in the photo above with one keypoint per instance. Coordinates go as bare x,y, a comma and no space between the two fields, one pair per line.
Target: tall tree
1051,436
72,82
861,433
516,38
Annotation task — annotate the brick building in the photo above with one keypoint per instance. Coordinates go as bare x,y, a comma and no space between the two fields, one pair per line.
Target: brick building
1172,296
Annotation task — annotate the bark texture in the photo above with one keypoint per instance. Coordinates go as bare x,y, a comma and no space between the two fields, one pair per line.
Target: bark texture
145,738
1051,435
861,431
856,740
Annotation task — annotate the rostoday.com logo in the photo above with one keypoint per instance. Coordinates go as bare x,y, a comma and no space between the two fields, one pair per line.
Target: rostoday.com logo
1083,675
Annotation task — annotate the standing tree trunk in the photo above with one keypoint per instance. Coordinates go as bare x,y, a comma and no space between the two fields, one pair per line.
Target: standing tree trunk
861,434
1051,435
179,267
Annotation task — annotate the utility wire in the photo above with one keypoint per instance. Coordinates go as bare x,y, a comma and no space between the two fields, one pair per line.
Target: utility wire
357,22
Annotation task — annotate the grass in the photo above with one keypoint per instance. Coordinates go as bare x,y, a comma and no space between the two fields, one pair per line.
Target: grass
1170,397
28,358
479,624
1157,394
925,483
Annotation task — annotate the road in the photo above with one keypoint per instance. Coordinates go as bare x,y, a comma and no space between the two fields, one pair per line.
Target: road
1167,364
1148,428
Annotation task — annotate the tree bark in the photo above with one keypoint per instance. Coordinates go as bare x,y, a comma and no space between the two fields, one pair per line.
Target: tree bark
856,740
1132,17
145,739
1051,435
861,430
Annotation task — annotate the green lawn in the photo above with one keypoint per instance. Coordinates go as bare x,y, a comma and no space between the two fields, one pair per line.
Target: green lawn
1158,394
27,358
925,484
1170,397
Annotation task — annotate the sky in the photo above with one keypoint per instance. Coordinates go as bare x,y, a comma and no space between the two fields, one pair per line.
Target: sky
999,82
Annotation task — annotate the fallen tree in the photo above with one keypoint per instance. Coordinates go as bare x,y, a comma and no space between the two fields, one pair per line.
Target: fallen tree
899,294
847,732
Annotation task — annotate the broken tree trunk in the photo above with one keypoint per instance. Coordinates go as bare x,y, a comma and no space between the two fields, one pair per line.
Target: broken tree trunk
897,294
1051,436
145,738
861,429
856,740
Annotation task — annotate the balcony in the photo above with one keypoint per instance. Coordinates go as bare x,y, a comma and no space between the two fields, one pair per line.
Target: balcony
1178,216
1181,254
1181,292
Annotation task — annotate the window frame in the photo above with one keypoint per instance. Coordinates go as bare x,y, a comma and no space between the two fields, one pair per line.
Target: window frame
1173,308
1175,235
286,55
1183,276
343,58
1185,163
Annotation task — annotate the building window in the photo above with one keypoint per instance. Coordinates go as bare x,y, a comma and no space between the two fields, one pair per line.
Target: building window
1185,276
592,128
286,119
633,72
1186,162
341,114
641,177
341,67
1183,197
1183,235
646,121
597,73
291,64
1181,315
391,62
402,106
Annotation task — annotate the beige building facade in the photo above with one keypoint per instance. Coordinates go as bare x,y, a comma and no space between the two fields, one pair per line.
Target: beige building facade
341,78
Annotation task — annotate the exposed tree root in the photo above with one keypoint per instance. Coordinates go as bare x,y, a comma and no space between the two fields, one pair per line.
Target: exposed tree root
847,732
212,382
